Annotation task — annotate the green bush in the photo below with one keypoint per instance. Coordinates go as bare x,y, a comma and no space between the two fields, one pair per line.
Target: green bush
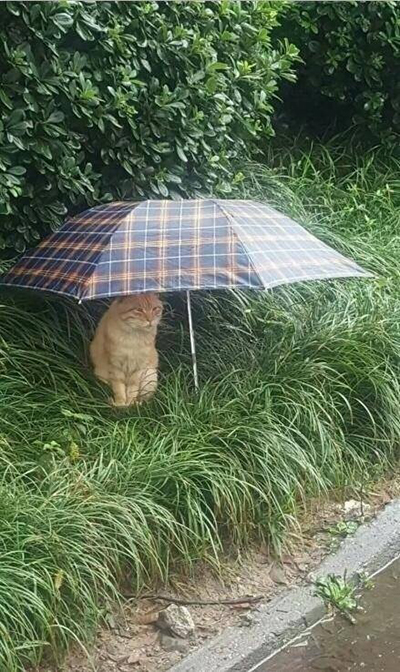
112,100
351,54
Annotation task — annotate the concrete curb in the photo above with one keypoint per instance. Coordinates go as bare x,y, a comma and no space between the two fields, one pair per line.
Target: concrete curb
237,649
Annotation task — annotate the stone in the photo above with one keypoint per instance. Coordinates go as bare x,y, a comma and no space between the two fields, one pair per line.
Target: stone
246,620
356,509
277,574
177,620
171,644
134,658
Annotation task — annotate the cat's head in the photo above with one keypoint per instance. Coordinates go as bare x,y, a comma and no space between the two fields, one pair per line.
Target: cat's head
140,311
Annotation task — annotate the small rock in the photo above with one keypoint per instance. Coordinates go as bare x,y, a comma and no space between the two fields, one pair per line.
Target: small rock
113,652
134,658
177,620
355,509
174,643
246,620
302,567
277,574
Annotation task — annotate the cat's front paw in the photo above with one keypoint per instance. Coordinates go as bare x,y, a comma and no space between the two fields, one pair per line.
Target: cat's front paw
134,402
117,403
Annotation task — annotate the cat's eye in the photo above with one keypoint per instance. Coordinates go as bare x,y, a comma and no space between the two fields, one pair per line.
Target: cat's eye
157,310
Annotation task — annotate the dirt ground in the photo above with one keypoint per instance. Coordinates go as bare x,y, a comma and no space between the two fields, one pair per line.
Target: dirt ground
134,643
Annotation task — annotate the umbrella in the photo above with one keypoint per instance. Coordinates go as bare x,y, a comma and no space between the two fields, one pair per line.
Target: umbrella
125,247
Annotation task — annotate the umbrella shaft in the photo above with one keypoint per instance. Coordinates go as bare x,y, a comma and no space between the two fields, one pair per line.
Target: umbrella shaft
192,341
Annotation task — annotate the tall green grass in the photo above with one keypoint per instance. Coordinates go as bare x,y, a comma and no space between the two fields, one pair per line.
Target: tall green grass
299,395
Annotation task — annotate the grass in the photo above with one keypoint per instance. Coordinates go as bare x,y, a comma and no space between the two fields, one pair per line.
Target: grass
299,396
338,593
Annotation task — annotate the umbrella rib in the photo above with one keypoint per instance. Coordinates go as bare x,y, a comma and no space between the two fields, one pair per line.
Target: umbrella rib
105,249
230,219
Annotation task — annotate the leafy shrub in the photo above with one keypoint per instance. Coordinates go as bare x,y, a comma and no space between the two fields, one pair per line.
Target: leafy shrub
351,55
128,99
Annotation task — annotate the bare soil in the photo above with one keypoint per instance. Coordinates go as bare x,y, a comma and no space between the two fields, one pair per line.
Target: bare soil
134,643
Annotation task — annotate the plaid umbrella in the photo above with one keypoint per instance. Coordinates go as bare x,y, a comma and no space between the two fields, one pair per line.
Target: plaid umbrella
127,247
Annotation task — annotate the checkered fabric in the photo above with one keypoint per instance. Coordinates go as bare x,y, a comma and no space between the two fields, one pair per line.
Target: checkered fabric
125,247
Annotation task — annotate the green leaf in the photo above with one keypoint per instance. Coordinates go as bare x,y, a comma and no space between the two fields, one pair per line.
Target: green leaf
17,170
181,153
217,65
15,118
55,117
212,84
5,99
4,208
63,20
162,188
43,148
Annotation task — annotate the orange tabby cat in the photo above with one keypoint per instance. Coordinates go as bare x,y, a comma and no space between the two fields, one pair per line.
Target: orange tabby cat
123,349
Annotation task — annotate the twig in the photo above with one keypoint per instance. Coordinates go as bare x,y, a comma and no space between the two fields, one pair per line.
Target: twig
179,600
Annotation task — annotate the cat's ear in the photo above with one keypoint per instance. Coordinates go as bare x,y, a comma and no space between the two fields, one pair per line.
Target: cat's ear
115,302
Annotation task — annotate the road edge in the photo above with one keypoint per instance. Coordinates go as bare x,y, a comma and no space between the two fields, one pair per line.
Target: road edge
237,649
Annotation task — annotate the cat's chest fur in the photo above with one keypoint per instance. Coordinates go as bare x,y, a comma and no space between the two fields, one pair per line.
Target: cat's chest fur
131,350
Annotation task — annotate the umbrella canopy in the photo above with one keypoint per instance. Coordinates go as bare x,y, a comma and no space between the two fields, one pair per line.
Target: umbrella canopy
128,247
